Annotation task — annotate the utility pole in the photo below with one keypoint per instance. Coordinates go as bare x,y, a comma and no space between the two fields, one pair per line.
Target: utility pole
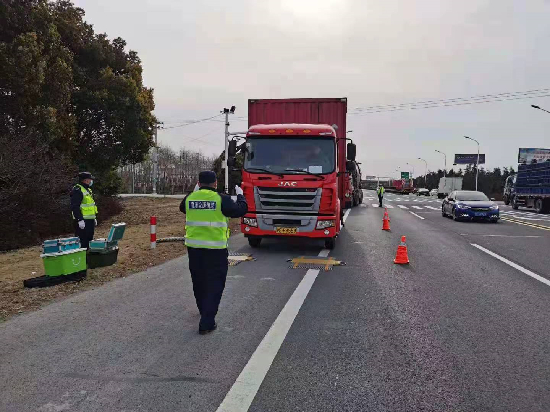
156,159
226,142
445,170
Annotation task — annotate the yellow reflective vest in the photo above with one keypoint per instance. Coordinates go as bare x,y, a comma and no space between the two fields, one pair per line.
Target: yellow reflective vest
205,227
87,206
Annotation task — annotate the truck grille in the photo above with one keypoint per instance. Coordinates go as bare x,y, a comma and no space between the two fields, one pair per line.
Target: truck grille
287,199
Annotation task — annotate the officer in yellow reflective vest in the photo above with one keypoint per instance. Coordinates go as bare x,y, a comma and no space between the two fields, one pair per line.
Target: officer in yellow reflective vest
84,209
380,192
206,236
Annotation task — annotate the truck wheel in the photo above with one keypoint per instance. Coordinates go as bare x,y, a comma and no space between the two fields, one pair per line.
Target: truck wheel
515,205
539,206
254,241
330,243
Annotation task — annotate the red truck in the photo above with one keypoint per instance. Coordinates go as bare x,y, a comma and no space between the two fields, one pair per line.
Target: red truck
403,186
296,172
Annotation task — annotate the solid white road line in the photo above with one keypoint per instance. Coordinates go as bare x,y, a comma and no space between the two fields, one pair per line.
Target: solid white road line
416,207
346,214
402,207
242,393
514,265
420,217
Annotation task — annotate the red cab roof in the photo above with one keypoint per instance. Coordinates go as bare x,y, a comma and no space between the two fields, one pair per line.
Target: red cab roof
292,129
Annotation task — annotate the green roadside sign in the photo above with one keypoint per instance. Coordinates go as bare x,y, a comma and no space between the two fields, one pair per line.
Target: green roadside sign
405,175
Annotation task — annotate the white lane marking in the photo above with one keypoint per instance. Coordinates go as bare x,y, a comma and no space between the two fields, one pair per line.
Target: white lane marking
431,207
389,206
346,214
244,390
402,207
514,265
375,205
416,207
389,200
473,234
420,217
242,393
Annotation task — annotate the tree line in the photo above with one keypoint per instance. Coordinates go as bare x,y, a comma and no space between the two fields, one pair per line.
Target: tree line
70,100
178,172
490,182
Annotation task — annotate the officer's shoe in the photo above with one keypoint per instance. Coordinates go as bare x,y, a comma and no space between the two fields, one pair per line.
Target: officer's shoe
207,331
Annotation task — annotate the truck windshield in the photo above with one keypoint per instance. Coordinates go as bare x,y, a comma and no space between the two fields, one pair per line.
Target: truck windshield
290,155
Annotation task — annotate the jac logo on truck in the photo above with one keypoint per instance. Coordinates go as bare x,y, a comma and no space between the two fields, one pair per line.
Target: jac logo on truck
288,184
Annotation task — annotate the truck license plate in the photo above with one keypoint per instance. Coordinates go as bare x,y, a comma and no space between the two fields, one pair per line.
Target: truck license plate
286,230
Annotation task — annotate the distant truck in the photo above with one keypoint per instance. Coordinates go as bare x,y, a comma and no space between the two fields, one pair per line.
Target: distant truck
403,186
530,187
448,185
353,192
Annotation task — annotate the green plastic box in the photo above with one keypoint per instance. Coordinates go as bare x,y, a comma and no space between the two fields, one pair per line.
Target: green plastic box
64,263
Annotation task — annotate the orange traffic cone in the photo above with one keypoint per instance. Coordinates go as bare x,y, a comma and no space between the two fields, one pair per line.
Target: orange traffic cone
386,221
402,257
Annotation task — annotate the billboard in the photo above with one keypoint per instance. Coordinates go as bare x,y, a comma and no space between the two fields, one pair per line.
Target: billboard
405,175
527,155
469,159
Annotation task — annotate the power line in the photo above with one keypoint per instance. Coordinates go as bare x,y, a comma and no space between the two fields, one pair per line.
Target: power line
459,101
190,122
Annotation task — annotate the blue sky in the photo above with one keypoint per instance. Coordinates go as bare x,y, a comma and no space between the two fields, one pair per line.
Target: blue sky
203,56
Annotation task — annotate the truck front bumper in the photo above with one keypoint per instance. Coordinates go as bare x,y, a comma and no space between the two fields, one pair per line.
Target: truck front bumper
288,225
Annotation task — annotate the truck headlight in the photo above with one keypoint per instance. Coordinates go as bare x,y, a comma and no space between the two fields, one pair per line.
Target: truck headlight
323,224
250,221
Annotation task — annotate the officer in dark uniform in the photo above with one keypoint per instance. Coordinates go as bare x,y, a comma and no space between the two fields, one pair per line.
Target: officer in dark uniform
206,236
84,209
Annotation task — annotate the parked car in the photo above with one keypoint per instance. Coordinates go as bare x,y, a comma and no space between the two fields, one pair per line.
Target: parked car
433,192
470,205
423,192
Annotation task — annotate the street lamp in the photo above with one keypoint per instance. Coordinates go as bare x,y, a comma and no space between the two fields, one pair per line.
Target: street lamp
412,167
425,172
477,160
445,170
539,108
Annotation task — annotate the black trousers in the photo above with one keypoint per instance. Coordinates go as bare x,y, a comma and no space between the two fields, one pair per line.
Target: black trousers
208,269
85,234
380,198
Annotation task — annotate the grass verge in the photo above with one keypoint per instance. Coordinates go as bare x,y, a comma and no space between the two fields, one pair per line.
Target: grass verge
134,255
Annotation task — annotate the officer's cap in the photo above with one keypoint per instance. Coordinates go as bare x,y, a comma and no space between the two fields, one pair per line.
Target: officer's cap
207,177
85,175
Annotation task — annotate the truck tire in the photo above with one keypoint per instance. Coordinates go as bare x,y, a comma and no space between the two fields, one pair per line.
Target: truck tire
330,243
515,205
254,241
539,206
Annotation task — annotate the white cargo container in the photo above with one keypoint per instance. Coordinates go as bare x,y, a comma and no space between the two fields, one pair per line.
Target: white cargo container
447,185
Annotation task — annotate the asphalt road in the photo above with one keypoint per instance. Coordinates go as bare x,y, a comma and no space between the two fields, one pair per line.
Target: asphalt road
464,327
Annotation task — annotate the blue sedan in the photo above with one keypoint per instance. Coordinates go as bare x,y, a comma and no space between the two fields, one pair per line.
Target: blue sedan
470,205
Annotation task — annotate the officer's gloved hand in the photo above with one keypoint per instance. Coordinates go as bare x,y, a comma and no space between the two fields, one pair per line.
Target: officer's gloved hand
81,224
238,190
95,222
197,187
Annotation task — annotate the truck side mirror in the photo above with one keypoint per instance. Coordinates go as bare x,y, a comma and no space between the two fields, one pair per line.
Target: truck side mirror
352,151
350,166
232,148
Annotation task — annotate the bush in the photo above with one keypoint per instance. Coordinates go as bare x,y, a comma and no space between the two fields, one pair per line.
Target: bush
34,191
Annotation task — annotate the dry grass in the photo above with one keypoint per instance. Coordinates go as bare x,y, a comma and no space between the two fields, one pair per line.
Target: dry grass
134,255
